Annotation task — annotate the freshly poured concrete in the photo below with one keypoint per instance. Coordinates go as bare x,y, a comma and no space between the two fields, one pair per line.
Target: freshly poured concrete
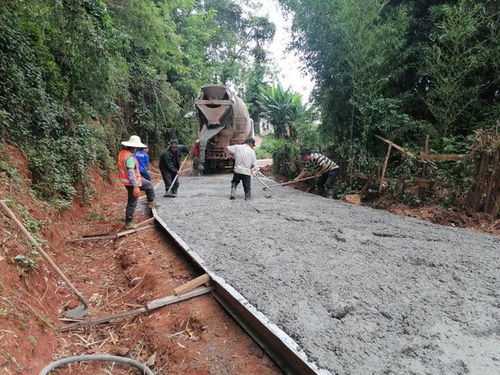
360,290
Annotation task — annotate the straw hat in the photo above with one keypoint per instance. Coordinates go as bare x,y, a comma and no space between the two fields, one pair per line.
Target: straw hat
134,141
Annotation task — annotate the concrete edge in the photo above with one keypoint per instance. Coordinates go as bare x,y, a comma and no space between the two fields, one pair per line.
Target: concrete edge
284,351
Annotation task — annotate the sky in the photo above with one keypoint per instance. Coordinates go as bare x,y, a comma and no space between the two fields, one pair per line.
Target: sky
288,64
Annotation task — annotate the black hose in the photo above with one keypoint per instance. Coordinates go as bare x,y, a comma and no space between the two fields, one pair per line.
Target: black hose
97,357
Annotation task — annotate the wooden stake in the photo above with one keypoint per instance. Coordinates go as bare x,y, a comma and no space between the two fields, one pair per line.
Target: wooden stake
384,167
190,285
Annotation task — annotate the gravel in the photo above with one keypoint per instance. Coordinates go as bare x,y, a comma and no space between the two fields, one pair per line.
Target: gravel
361,291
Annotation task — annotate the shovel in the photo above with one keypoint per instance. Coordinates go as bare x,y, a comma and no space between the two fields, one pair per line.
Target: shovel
176,176
289,182
76,313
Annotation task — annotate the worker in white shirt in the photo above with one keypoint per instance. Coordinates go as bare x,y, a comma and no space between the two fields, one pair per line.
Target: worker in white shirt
244,161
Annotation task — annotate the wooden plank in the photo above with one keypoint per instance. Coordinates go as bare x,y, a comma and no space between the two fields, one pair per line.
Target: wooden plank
112,236
396,146
145,222
173,299
441,157
190,285
127,232
150,306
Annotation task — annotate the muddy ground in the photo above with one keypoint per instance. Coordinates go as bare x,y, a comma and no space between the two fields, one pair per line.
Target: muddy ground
360,290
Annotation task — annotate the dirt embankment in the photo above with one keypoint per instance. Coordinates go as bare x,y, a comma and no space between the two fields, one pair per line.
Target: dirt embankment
193,337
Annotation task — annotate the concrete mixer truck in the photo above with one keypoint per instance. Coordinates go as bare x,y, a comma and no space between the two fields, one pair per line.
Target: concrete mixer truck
224,121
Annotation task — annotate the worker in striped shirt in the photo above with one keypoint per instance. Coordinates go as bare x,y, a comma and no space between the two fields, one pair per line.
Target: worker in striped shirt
324,169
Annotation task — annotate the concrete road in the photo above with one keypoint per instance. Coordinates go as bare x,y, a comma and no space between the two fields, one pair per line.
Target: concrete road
361,291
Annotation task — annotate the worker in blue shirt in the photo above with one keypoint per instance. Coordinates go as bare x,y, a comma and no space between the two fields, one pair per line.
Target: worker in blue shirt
143,160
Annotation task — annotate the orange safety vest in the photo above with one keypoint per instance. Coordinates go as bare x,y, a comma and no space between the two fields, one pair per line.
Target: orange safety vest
123,156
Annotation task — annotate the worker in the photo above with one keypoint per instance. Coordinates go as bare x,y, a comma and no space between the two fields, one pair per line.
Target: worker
143,159
324,169
130,177
195,154
170,162
244,161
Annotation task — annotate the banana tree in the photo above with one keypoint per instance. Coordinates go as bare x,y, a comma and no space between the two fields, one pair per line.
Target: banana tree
283,109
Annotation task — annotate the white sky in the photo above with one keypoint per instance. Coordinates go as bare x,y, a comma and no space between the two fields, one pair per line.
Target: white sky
287,63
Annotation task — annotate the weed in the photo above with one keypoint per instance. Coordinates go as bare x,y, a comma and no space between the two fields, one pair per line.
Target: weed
27,263
33,340
94,217
4,311
11,171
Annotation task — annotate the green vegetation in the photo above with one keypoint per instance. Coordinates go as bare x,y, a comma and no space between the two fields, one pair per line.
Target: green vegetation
402,70
79,76
284,110
268,146
95,217
27,263
4,311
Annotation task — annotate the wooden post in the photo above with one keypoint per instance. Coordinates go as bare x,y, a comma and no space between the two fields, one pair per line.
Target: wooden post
426,151
479,182
384,168
491,191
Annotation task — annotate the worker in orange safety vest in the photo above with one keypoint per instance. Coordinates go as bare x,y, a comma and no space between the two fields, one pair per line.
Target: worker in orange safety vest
130,177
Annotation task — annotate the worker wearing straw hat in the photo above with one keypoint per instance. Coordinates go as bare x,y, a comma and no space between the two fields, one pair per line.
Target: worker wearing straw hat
130,177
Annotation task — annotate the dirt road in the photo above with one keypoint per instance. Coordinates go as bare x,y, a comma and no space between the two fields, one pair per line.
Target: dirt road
360,290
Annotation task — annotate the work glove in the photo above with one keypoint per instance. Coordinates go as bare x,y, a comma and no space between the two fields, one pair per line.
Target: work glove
137,191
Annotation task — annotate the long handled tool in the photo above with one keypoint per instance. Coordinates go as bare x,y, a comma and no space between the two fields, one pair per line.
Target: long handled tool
267,191
290,182
177,175
75,313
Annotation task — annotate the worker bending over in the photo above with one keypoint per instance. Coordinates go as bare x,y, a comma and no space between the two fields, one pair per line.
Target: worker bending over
324,169
244,161
130,177
170,163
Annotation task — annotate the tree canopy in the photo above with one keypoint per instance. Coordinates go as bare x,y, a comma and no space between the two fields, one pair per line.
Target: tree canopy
79,76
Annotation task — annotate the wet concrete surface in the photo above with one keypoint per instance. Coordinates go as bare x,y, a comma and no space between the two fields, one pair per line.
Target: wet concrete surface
361,291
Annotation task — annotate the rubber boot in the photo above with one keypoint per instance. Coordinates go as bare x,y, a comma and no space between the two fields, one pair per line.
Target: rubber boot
233,191
174,193
129,225
248,195
153,204
329,193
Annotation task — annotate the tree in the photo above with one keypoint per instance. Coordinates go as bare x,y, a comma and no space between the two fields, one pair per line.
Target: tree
283,109
460,48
